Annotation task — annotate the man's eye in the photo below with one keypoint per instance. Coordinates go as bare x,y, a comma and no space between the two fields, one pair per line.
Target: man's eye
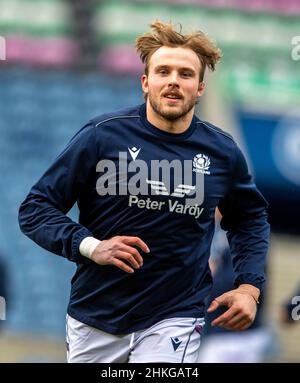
186,74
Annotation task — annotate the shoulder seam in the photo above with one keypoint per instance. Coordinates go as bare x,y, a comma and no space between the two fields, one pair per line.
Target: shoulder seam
114,118
216,130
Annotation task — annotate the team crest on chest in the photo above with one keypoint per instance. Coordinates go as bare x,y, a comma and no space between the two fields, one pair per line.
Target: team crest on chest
201,164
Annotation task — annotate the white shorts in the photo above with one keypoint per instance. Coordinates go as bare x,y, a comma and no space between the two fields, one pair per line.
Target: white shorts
173,340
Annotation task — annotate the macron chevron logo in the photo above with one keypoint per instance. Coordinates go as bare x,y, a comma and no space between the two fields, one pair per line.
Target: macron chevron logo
180,191
134,152
176,342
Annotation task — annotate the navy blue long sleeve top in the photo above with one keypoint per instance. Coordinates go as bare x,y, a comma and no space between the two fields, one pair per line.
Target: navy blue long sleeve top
130,178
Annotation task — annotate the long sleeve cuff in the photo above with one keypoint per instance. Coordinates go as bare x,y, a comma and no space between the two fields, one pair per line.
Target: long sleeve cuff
87,246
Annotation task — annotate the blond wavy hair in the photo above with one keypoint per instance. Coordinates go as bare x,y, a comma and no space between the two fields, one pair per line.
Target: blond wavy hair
165,35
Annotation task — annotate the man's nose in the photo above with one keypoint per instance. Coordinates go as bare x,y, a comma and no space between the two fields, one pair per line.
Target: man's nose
173,80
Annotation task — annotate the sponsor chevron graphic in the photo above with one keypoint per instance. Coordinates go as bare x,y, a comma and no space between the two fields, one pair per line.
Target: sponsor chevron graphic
180,191
158,186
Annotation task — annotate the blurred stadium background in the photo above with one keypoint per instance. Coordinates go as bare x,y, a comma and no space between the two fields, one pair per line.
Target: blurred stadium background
67,61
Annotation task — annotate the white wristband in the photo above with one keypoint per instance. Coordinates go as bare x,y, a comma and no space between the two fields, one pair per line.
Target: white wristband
87,246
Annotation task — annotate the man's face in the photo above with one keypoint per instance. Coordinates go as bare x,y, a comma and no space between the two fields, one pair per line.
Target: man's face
172,84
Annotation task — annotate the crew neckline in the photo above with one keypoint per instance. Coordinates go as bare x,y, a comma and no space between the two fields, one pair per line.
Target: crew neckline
162,133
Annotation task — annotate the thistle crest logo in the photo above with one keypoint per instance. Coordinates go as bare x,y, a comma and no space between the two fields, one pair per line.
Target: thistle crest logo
201,164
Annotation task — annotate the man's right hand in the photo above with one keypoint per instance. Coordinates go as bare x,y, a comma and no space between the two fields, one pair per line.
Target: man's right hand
120,251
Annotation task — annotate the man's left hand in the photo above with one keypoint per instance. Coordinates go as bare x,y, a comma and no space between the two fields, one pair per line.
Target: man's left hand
241,312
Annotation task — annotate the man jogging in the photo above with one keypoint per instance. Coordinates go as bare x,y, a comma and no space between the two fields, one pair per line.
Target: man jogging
147,181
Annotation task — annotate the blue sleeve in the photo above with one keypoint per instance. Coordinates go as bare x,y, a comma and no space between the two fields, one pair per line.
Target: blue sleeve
244,211
42,215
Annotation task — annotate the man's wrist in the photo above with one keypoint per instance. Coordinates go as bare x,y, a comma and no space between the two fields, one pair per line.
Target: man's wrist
251,290
87,246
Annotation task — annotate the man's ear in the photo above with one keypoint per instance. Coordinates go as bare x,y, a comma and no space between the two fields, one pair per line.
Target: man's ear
201,89
144,82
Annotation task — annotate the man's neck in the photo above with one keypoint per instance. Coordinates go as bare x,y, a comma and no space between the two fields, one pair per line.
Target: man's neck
178,126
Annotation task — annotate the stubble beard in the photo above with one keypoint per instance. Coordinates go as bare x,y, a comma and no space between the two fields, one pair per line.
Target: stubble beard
172,115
